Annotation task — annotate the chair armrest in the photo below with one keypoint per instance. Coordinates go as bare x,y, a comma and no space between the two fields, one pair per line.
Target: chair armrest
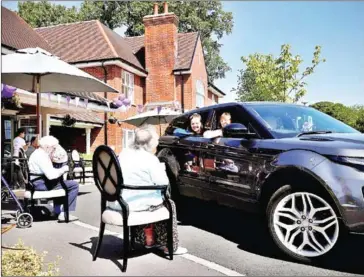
156,187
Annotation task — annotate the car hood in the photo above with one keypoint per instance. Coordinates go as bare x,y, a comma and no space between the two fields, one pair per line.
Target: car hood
350,145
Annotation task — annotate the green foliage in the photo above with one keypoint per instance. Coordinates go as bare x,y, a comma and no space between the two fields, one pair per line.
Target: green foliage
353,116
27,262
206,17
86,156
269,78
43,13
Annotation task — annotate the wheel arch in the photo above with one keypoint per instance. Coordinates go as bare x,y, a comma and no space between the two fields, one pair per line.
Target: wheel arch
298,178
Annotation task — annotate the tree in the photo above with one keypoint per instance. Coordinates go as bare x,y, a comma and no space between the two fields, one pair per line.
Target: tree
206,17
353,116
42,14
269,78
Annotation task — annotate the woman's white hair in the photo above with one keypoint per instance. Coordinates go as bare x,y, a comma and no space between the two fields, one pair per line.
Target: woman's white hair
146,138
48,143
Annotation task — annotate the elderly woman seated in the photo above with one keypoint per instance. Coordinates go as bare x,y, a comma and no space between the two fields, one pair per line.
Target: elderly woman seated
141,167
40,163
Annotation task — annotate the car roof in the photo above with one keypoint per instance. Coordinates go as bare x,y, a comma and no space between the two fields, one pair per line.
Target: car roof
261,103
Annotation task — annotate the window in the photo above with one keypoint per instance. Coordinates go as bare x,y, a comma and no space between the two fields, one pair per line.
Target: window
30,125
200,94
128,137
128,85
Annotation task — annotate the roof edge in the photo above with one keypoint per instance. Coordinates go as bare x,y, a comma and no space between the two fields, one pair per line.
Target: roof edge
216,90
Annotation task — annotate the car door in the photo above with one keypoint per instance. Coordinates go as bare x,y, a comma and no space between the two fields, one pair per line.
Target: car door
232,165
193,180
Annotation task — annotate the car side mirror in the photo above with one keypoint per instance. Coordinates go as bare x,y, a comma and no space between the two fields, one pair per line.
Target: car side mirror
235,130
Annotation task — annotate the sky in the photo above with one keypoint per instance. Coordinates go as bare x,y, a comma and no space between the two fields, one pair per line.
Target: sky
263,26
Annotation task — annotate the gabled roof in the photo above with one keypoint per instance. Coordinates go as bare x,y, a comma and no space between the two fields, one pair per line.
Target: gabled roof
186,48
17,34
88,41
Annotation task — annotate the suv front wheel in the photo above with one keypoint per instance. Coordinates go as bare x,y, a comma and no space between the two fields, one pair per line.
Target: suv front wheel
302,224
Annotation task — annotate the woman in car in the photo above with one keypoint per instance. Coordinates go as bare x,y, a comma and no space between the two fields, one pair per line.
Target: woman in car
196,124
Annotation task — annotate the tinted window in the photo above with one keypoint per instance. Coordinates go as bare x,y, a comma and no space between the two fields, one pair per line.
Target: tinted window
183,121
290,120
237,116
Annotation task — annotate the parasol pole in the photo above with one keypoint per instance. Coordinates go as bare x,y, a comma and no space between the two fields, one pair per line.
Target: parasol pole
38,107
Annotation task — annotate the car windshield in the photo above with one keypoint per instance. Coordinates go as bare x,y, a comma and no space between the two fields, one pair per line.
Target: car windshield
289,120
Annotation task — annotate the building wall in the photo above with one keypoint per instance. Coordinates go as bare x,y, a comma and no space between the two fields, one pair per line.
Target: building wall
114,131
198,72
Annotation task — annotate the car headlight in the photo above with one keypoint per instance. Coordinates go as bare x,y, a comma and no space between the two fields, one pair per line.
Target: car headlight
357,162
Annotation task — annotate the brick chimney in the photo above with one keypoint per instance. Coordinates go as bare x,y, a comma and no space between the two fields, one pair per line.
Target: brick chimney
160,54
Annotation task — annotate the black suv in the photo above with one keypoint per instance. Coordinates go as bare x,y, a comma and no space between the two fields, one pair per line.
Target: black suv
302,168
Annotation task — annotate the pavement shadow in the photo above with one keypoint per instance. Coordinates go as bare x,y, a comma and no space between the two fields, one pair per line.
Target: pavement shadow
251,234
111,249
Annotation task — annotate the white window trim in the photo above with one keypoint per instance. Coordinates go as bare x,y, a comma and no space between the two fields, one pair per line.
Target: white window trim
128,87
198,94
126,140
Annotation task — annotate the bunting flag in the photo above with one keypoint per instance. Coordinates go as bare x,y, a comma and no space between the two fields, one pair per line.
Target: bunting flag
68,98
159,108
49,96
108,105
59,99
140,108
77,99
86,103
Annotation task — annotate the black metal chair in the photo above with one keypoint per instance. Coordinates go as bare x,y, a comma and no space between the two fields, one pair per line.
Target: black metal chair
80,166
109,180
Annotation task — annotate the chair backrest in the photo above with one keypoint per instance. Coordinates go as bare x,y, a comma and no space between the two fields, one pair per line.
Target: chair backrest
107,173
75,156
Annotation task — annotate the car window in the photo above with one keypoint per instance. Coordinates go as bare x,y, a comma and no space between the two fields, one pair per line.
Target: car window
183,122
237,116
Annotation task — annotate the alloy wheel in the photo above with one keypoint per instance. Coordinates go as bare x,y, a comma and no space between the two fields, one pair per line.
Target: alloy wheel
306,224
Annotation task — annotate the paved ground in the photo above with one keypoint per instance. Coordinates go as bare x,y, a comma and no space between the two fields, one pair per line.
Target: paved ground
218,240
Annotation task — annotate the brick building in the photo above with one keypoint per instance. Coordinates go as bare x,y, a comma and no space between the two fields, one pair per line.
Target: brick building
158,68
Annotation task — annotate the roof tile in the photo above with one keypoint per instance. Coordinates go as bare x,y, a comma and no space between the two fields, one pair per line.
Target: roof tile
17,34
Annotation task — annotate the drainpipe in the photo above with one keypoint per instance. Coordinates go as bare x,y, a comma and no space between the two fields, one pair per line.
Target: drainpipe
183,94
105,96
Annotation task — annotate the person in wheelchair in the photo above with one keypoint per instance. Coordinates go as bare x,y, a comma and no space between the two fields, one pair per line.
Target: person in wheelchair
141,167
40,163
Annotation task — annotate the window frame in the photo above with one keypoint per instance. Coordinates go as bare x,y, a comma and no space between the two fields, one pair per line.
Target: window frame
198,94
127,85
126,132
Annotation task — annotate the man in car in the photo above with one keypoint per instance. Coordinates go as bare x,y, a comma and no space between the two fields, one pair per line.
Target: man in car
225,119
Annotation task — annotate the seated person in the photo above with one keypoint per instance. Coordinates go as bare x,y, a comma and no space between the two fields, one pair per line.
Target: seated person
141,167
196,124
225,119
40,163
33,145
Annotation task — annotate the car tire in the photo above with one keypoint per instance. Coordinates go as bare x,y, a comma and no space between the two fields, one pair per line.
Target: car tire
305,232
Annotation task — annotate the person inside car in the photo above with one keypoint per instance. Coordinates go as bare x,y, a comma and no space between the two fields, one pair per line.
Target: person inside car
196,124
225,119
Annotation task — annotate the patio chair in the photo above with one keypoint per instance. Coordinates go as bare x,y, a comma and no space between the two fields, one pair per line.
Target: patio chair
31,195
80,166
109,180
